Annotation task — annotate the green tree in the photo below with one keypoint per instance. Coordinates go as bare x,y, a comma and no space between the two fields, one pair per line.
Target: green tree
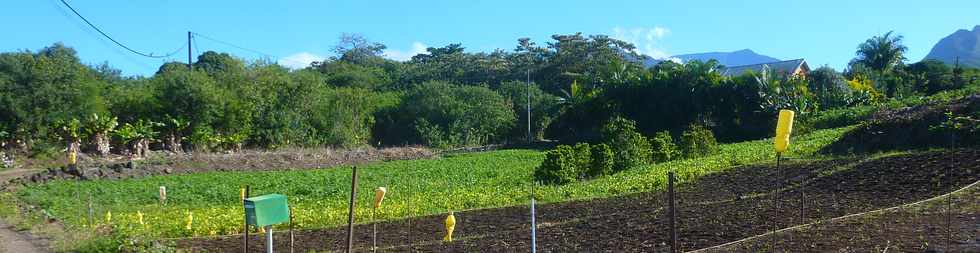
631,148
881,53
447,115
544,108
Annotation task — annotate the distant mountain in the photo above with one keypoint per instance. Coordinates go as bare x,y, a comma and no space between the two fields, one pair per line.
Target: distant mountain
736,58
963,44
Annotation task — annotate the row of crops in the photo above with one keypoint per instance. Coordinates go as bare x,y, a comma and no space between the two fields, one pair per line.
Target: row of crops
209,203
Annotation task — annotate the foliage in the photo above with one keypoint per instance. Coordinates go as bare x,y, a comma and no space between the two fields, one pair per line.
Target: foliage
543,108
39,90
866,90
415,188
446,115
583,159
560,166
601,161
831,89
698,141
881,53
631,148
663,147
139,130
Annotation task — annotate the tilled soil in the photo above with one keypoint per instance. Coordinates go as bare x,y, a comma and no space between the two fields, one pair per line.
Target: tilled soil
163,163
922,227
715,209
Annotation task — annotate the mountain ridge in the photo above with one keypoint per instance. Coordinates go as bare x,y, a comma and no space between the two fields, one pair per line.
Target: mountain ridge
733,58
962,44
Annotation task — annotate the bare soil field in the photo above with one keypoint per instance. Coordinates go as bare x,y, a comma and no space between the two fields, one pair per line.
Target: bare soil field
714,210
162,163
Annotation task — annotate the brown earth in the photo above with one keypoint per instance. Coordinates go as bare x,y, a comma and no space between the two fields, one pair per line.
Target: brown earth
910,128
162,163
713,210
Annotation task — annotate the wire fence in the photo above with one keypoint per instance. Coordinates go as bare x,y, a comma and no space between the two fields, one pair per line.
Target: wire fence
901,203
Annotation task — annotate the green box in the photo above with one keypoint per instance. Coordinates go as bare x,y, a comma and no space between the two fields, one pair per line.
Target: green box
266,210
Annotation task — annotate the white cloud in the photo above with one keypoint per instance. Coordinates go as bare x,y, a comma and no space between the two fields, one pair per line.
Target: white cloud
647,40
398,55
300,60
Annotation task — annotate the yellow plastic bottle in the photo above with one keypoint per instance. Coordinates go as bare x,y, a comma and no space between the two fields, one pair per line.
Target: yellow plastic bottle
784,128
450,226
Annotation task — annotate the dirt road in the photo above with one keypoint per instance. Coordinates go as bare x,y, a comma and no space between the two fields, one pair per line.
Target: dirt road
14,241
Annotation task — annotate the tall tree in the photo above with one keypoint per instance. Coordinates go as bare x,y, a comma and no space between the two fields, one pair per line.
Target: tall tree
881,53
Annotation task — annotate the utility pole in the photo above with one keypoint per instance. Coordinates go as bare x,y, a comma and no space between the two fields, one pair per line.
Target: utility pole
529,138
189,52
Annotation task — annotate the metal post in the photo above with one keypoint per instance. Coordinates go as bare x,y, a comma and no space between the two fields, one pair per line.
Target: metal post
673,212
268,238
189,52
245,222
529,138
350,214
534,236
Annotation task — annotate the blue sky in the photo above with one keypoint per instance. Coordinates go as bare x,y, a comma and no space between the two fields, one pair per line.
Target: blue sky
295,32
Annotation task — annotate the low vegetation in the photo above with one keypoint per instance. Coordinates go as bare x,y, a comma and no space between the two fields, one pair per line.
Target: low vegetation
467,181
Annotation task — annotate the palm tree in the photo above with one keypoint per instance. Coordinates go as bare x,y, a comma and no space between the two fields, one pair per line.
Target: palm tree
881,53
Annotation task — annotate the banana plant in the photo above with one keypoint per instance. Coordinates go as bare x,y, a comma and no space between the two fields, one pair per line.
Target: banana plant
138,136
175,127
71,132
98,127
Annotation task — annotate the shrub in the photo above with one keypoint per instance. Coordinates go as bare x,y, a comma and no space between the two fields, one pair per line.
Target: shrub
558,166
663,147
583,158
602,160
454,116
698,141
630,147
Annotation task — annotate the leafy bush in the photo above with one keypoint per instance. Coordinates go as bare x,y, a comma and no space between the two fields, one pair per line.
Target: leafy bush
602,160
543,105
698,141
583,159
631,148
558,167
663,147
445,115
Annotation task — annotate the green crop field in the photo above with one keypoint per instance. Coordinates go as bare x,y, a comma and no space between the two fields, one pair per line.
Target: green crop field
319,197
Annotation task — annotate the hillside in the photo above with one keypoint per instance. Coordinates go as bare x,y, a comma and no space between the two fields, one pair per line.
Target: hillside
963,44
734,58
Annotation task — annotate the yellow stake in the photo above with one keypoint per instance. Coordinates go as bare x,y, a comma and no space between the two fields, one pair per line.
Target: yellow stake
190,220
108,217
379,195
139,215
784,128
450,226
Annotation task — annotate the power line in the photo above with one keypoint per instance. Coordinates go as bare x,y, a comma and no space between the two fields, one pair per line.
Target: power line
275,58
150,55
232,45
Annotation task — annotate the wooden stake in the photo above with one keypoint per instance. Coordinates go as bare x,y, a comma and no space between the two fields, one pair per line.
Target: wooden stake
673,212
350,213
245,222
